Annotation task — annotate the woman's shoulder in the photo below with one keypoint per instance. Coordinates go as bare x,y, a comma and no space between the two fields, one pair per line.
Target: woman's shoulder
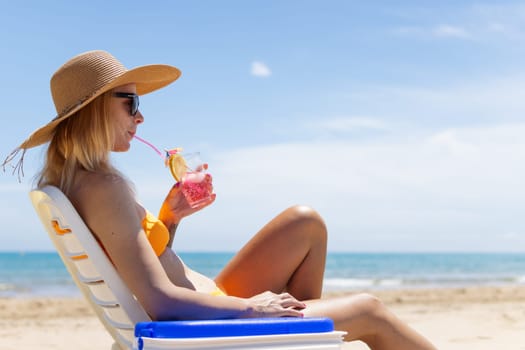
106,204
99,189
100,181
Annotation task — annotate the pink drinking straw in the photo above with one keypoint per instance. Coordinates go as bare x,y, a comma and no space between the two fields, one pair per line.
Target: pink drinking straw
149,144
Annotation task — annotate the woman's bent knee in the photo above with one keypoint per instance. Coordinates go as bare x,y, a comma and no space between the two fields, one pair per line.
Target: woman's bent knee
308,217
369,304
374,314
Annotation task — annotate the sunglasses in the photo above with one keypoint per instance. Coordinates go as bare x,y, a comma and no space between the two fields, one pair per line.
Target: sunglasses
134,107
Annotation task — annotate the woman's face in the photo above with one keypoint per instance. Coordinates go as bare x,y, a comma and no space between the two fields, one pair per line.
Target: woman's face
125,124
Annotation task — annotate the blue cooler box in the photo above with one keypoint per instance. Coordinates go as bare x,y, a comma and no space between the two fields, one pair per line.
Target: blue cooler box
260,333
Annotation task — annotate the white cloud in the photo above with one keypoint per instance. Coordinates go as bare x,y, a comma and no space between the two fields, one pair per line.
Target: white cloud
448,140
347,124
424,193
408,31
487,99
512,236
480,22
497,27
260,69
439,31
449,31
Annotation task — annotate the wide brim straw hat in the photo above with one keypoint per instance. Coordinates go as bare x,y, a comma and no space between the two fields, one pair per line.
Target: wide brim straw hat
87,76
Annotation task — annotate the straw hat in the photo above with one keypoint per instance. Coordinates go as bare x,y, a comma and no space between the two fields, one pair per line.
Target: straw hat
87,76
82,79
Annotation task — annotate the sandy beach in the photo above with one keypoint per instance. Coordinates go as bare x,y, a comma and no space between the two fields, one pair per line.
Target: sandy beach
462,318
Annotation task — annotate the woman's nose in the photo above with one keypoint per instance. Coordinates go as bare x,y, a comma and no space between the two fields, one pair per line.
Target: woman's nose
139,118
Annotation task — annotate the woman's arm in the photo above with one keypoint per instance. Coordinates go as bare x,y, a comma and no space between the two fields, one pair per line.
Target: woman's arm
175,207
167,211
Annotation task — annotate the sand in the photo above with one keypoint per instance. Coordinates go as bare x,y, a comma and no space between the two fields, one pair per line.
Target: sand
462,318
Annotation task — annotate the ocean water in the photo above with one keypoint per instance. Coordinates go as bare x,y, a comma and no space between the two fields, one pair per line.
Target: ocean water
43,274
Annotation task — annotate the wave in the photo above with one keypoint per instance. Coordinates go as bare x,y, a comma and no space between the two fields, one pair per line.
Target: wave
333,284
30,289
44,274
340,284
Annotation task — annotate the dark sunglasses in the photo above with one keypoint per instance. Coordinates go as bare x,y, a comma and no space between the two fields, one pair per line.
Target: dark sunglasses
134,107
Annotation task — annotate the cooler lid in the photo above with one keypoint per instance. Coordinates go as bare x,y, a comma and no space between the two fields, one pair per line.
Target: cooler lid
233,327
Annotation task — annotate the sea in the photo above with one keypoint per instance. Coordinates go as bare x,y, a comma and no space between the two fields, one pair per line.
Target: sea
42,274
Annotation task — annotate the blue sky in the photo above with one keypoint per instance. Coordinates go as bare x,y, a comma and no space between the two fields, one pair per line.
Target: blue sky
402,123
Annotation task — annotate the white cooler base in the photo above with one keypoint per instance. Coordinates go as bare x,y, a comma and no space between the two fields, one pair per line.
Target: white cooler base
308,341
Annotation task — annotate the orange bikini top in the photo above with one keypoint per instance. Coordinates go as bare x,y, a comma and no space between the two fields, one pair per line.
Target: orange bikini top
157,233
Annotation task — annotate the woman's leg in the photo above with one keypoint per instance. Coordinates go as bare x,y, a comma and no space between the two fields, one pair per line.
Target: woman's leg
288,254
365,318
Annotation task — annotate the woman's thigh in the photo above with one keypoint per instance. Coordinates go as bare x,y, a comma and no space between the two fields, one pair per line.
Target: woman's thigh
287,254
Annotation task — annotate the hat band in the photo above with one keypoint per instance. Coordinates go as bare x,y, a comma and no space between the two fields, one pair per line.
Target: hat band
79,103
68,109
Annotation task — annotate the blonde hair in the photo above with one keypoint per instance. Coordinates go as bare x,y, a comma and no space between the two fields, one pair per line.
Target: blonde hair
82,141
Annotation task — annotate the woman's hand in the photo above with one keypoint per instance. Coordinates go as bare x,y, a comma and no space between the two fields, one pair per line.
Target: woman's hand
175,207
269,304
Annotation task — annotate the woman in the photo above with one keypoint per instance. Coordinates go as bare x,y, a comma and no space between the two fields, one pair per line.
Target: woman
278,273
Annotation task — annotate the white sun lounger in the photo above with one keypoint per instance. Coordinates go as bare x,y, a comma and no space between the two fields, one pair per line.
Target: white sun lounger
127,322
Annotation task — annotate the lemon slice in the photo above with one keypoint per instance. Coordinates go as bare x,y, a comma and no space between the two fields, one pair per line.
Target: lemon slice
177,166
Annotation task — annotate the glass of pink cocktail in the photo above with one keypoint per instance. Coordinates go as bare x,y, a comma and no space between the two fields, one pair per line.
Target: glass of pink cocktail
189,171
196,183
